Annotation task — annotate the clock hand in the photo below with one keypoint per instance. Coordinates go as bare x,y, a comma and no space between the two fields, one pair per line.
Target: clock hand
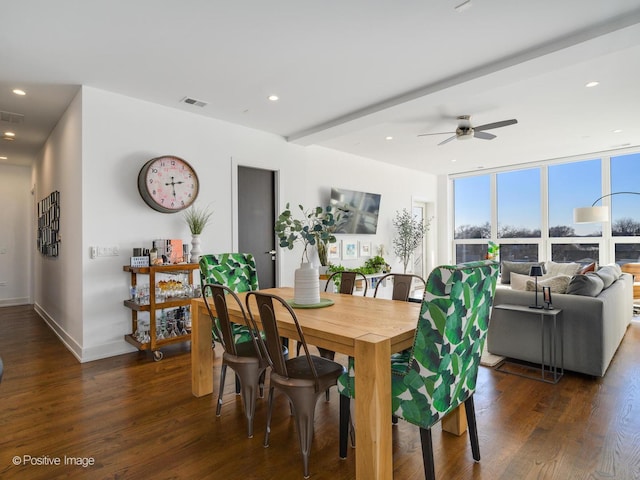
173,184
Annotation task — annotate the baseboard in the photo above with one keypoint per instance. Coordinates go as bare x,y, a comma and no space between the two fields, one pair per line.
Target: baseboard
14,302
60,332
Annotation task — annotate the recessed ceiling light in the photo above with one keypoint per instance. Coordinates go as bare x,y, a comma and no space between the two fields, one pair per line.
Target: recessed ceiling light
617,130
3,158
17,91
273,98
454,159
592,84
9,134
388,138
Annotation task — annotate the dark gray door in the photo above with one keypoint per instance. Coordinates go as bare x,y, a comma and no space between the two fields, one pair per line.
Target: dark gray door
256,218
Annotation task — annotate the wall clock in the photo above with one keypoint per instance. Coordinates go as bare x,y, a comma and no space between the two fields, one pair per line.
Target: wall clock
168,184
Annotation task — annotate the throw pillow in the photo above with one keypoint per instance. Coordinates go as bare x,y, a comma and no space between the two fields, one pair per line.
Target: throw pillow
588,285
558,284
519,281
608,274
506,267
555,268
591,267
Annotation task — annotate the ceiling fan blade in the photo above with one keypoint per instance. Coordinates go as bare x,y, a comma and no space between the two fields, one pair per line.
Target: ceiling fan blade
447,140
439,133
483,135
489,126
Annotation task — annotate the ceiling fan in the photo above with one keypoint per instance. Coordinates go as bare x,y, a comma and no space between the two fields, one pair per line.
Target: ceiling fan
465,130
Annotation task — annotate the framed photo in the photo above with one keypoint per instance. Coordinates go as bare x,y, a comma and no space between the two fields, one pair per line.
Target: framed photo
333,250
349,250
365,249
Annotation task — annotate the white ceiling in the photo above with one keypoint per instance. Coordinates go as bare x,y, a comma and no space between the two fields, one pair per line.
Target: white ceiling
348,72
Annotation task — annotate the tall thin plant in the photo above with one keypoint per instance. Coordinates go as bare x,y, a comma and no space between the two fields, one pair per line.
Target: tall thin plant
410,231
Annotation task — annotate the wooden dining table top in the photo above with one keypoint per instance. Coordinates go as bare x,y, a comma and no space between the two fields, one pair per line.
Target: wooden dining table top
337,326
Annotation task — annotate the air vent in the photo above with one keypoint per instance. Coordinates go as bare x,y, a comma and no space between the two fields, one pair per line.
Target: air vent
14,118
193,101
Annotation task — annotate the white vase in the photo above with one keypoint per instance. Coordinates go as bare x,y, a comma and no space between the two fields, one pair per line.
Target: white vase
306,287
195,249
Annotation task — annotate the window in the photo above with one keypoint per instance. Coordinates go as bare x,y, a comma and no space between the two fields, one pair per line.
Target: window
472,207
470,252
519,204
575,252
625,209
519,252
627,253
576,184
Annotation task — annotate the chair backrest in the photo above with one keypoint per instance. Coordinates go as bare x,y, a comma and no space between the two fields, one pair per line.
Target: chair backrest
218,294
235,270
445,357
347,281
402,285
266,313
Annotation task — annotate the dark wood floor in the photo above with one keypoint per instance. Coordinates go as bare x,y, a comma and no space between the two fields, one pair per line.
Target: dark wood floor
137,419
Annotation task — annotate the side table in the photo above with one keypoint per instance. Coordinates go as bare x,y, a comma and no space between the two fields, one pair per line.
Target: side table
552,371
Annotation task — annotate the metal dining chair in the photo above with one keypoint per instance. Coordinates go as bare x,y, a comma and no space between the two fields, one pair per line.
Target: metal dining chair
347,281
439,372
302,379
403,285
244,358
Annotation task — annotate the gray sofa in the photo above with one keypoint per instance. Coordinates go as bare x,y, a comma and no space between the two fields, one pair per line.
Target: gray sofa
592,327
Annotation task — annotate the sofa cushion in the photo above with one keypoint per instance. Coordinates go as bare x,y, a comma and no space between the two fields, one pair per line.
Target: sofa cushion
558,284
588,285
506,267
555,268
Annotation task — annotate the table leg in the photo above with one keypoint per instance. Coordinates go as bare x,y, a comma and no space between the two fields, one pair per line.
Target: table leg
374,455
201,351
456,421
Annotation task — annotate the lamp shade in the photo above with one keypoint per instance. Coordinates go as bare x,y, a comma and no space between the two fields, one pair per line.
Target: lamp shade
536,271
590,214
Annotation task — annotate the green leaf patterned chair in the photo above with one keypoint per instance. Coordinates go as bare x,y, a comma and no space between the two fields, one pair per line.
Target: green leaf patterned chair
236,271
439,372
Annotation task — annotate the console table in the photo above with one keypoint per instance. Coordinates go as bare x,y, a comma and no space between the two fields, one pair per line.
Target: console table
552,371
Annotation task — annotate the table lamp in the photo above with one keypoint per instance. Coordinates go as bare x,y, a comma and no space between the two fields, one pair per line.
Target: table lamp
536,271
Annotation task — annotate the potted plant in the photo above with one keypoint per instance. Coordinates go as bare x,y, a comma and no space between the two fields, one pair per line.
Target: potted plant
196,219
409,233
311,229
314,228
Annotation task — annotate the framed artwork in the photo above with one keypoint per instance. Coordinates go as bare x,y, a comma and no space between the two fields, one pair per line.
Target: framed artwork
333,250
349,249
48,239
365,249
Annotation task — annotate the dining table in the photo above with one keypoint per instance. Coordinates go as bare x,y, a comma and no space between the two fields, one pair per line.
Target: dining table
366,328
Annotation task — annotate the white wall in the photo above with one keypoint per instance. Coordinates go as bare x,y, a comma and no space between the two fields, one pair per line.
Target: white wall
118,135
58,290
15,235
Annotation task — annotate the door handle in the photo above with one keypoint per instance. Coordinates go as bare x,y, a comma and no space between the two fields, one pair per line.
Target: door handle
272,253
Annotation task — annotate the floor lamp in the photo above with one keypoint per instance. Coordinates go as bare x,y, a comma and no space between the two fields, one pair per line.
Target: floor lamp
595,214
536,271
